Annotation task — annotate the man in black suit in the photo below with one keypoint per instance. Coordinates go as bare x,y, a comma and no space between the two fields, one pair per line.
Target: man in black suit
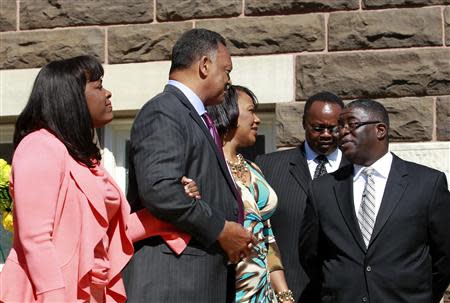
172,137
289,172
377,230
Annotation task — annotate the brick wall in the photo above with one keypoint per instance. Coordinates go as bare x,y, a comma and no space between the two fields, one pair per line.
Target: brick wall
396,51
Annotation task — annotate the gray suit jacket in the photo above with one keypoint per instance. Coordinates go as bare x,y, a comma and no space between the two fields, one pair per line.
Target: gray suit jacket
408,257
288,173
169,140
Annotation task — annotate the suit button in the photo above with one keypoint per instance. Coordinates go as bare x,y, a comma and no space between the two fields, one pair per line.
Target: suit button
368,268
364,299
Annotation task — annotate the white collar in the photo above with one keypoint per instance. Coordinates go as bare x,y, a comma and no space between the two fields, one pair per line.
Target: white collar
190,95
311,155
381,167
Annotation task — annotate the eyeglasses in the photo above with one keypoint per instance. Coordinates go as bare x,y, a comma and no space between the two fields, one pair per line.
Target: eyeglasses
351,126
322,128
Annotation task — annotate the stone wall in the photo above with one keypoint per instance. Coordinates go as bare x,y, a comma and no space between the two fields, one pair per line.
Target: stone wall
396,51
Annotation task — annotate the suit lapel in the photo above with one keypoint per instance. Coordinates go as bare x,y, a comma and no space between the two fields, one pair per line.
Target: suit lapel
86,182
199,121
343,191
299,168
344,161
395,188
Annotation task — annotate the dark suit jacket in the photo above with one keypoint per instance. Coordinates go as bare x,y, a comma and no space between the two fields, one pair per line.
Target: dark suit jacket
408,257
168,140
288,174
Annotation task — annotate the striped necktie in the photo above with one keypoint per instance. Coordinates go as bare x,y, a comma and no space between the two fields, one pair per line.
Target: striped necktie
366,213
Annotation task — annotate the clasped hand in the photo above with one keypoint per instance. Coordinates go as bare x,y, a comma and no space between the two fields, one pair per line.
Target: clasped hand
235,240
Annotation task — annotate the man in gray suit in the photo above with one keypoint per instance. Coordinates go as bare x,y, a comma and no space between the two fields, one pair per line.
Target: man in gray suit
290,172
172,137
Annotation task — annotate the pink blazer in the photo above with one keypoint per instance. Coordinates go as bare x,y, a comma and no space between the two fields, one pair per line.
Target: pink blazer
60,216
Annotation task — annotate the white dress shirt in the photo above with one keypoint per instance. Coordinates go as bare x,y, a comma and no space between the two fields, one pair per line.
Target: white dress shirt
191,96
381,168
334,160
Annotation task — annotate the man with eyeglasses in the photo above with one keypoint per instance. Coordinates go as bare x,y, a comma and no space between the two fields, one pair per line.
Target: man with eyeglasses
290,172
377,230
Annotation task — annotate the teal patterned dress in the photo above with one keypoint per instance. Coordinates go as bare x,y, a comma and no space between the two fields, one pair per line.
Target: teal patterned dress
253,273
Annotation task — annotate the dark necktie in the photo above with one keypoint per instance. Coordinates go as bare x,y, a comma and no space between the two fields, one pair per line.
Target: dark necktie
320,169
213,130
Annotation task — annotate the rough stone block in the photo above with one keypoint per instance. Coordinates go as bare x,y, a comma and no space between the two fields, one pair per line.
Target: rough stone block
289,129
8,15
376,4
411,119
270,35
286,7
443,121
375,74
175,10
35,49
447,25
385,29
63,13
139,43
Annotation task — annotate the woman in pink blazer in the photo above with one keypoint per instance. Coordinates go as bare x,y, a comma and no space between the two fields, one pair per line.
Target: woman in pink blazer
73,231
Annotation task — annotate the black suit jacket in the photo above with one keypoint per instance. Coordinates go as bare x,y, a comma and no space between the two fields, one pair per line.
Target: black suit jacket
408,257
288,173
170,140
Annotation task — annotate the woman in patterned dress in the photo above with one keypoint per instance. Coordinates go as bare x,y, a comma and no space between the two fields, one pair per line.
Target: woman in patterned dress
260,277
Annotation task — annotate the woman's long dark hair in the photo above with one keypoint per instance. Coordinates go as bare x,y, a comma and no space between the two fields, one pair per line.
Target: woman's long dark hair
58,104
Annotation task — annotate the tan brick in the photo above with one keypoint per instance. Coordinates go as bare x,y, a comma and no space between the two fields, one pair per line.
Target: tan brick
411,119
375,74
35,49
175,10
289,129
443,123
63,13
270,35
286,7
7,15
385,29
138,43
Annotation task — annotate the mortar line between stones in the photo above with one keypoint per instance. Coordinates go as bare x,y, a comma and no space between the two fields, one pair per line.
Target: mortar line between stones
294,79
326,18
443,26
381,9
243,8
434,132
154,12
17,15
368,50
360,5
106,46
